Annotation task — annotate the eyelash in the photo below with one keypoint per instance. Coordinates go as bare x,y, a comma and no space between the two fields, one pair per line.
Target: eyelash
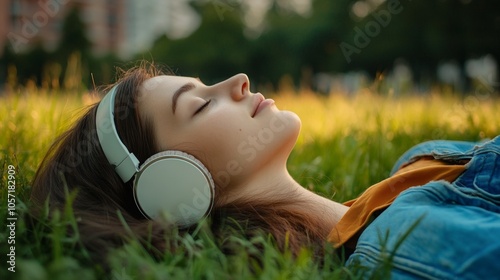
205,105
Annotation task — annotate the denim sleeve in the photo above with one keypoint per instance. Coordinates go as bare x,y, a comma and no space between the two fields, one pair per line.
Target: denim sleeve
432,232
430,148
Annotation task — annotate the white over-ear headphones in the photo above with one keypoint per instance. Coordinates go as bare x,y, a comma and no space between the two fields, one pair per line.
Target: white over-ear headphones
170,182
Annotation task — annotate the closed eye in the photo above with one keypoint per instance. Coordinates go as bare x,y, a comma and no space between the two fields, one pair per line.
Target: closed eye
202,107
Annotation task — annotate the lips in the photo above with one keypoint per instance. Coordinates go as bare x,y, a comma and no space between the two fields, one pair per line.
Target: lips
258,99
261,104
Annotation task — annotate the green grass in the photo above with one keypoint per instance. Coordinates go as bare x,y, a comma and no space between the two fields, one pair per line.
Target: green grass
346,145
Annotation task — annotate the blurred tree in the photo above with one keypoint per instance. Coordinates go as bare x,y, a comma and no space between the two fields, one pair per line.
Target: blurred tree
216,50
294,44
276,52
332,38
326,28
73,37
74,44
28,65
427,32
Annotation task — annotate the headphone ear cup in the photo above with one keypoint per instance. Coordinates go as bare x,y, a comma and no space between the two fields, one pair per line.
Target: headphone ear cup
176,183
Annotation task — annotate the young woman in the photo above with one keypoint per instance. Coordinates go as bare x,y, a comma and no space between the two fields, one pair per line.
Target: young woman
233,145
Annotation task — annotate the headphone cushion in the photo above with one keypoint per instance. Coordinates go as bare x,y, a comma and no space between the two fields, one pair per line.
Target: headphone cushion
176,184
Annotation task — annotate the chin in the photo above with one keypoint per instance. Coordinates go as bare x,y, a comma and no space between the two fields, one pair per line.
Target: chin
292,128
293,119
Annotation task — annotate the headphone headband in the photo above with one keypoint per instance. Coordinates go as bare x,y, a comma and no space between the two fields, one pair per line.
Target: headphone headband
126,163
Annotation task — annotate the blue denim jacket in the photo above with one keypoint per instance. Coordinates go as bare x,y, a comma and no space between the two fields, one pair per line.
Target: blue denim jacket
441,230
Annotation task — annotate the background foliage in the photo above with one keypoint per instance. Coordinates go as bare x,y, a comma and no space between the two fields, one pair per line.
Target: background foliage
422,33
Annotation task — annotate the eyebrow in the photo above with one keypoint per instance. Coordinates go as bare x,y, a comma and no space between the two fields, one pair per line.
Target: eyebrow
181,90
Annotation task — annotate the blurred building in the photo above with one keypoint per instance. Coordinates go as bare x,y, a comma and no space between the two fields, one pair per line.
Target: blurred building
123,27
29,22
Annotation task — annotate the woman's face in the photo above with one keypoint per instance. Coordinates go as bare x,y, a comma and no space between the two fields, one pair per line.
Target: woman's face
234,132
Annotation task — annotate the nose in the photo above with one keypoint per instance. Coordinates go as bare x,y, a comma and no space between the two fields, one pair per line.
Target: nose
238,86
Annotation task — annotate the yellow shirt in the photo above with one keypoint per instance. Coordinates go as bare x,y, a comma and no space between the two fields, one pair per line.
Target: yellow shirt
382,194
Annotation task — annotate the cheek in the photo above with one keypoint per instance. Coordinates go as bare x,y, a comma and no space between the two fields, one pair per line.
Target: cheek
222,137
214,138
232,148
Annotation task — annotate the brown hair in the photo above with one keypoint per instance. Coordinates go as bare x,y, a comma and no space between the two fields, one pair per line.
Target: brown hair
292,228
76,161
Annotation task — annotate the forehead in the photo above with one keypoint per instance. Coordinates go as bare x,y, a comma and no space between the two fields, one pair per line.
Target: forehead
156,94
165,84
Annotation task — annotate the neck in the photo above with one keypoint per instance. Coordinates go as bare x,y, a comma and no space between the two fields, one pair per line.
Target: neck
274,185
327,211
